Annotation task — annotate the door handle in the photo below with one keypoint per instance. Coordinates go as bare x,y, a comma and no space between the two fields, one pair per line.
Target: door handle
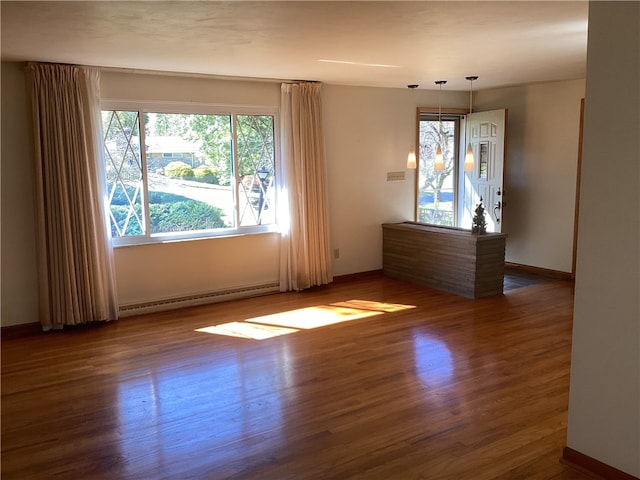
496,209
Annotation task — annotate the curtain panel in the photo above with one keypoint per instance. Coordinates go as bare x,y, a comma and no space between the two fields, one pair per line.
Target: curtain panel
75,265
305,258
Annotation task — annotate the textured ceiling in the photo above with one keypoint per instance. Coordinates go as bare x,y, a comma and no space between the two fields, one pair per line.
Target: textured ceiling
388,44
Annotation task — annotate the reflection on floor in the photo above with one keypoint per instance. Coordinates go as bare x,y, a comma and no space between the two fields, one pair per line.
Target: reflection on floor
518,278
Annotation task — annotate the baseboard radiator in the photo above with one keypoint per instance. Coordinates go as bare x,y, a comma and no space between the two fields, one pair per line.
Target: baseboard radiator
199,299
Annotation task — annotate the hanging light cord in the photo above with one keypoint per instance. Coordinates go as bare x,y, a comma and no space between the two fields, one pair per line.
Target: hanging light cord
440,113
438,165
440,83
411,156
440,110
468,159
471,79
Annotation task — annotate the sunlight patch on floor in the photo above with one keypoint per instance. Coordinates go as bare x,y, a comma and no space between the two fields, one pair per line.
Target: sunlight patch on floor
247,330
283,323
379,306
314,317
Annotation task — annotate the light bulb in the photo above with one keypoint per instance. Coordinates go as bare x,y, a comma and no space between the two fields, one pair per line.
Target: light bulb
411,160
468,159
438,165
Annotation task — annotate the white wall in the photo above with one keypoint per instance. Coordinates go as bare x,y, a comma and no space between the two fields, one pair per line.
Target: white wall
160,271
540,169
175,88
19,279
604,407
368,132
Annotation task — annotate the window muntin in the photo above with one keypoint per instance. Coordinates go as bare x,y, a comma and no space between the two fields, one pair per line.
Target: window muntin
256,169
437,199
123,169
188,175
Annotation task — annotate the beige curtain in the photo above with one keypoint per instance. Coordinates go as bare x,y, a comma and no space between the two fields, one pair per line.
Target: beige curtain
76,283
305,258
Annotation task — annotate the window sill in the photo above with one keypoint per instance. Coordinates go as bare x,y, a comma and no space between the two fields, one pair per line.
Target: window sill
192,237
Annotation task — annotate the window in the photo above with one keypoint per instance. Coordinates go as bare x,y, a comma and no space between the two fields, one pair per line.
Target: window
437,200
188,175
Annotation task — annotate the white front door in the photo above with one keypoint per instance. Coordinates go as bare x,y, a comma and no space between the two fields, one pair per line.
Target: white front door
486,132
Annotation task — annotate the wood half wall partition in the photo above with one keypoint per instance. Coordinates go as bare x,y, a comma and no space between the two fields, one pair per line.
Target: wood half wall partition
444,258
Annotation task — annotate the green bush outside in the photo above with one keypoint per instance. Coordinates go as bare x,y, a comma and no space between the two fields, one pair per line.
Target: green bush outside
178,170
206,174
119,197
168,213
120,212
184,217
164,197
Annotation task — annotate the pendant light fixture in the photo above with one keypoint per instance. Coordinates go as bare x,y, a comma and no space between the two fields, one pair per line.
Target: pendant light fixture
411,157
469,163
411,160
438,164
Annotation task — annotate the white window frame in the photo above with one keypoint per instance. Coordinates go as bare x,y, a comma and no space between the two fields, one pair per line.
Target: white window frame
198,109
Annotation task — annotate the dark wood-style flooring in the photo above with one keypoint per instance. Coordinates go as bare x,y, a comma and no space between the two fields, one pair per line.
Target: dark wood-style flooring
515,277
370,378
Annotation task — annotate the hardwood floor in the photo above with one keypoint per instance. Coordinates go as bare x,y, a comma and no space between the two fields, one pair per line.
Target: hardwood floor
406,383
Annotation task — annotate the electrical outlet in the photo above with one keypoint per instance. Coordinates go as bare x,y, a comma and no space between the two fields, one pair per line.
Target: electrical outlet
336,253
395,176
